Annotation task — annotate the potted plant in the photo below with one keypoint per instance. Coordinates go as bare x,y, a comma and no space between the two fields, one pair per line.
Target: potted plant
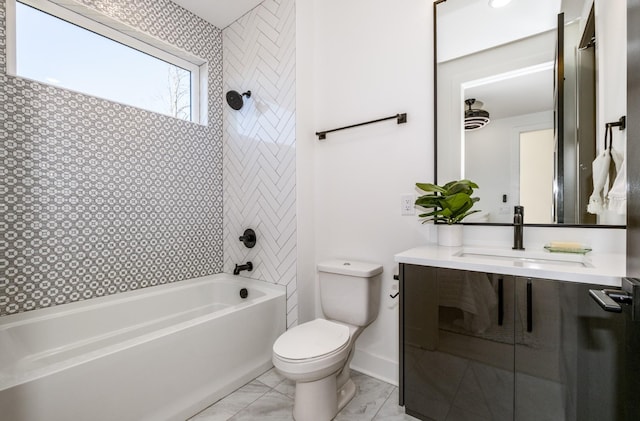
448,205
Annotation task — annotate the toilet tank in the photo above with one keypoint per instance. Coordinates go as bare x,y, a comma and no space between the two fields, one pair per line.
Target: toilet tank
350,291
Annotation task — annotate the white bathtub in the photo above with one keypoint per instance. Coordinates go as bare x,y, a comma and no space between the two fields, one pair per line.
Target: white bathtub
159,353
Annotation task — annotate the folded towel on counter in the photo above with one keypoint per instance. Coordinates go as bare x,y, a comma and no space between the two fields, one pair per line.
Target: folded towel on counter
471,292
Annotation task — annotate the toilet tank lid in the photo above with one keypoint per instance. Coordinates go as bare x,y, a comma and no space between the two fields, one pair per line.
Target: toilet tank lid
350,267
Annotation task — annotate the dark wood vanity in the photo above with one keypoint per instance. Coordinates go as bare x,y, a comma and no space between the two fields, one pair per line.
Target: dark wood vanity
488,346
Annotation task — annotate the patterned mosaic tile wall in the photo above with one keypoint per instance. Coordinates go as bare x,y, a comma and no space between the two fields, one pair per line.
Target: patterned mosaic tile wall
98,198
259,145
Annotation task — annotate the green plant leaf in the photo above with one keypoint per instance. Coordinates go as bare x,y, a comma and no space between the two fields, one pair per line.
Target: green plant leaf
450,203
430,187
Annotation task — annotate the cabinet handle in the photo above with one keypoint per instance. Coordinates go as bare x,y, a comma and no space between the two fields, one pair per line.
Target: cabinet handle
500,301
607,303
529,306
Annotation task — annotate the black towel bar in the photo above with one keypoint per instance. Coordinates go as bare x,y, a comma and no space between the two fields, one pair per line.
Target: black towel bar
402,118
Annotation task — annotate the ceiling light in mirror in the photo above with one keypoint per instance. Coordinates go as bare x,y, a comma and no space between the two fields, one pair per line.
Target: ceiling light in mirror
475,118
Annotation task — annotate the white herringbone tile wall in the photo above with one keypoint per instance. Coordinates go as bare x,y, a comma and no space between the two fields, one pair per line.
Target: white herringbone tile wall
259,145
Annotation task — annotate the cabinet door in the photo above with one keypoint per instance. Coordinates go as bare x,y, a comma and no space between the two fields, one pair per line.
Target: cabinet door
567,354
539,377
457,344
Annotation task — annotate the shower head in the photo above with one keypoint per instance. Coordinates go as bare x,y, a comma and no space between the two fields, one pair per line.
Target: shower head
234,99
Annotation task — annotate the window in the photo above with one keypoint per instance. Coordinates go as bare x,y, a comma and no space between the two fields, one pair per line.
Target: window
53,45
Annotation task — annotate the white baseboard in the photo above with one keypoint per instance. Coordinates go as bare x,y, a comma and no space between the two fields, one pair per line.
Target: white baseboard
375,366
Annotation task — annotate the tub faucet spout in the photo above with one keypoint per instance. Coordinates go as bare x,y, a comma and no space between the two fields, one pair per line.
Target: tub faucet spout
239,268
518,227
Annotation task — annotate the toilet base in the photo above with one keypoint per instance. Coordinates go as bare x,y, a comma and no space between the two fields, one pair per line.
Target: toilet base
346,393
320,400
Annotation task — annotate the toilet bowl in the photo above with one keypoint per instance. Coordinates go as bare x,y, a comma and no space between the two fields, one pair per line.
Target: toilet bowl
312,350
316,354
313,354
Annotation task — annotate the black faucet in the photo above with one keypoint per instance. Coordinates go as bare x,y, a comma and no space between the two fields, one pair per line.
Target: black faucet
518,227
239,268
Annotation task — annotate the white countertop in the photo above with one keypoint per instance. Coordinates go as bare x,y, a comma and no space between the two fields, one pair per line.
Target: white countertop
601,268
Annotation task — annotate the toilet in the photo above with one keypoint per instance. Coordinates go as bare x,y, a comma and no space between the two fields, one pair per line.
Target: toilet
316,354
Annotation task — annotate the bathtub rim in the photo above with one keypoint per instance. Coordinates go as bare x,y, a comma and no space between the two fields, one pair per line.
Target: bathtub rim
16,319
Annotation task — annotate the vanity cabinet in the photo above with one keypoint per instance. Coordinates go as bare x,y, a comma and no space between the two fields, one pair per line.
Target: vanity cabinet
485,346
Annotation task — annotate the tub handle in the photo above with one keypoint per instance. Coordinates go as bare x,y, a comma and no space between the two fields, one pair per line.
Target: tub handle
249,238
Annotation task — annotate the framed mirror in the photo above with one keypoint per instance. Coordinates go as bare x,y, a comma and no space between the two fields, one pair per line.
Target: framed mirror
524,93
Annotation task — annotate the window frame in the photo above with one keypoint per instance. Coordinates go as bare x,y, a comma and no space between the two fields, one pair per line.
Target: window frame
91,20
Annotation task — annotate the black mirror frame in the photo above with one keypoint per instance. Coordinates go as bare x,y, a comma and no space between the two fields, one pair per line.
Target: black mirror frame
435,139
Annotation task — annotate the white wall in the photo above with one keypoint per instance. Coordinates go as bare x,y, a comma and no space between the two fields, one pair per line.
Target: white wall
371,59
611,57
305,168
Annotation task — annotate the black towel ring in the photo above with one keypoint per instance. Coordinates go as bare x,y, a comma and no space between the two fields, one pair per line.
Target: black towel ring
621,124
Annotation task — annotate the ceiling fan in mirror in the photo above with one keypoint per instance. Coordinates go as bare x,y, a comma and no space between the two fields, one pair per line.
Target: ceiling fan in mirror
475,118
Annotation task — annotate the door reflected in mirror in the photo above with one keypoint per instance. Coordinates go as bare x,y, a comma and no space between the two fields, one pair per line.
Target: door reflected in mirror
536,175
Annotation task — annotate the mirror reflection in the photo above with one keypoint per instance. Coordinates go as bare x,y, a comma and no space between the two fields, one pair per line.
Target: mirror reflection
524,93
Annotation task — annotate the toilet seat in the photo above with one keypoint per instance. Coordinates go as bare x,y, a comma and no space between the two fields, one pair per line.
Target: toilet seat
312,340
312,349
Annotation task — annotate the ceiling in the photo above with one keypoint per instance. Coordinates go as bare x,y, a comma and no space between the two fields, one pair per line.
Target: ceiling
466,27
220,13
534,94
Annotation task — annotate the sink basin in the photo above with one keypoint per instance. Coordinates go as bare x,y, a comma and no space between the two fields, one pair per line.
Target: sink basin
525,258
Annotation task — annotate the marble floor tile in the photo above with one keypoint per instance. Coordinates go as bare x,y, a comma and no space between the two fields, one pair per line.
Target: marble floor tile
371,394
271,378
269,397
391,411
273,406
232,404
211,414
287,388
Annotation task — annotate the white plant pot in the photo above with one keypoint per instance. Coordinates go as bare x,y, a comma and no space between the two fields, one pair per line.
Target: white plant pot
450,235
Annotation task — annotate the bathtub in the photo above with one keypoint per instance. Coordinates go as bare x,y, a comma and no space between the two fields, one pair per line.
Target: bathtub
159,353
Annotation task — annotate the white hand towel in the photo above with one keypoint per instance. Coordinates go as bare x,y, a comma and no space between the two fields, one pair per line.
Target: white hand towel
617,197
600,172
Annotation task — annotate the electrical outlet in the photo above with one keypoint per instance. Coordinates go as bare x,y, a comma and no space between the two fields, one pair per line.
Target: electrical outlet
407,206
